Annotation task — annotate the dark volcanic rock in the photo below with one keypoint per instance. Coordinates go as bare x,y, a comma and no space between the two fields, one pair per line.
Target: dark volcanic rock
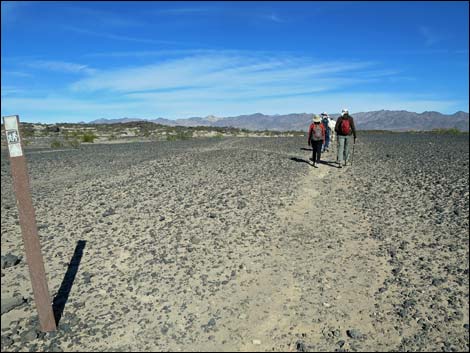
10,260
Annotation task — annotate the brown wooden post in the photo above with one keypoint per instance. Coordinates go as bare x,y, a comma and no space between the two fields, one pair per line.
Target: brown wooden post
28,225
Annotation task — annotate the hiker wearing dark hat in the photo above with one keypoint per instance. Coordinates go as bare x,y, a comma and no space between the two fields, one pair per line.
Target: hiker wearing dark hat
345,130
316,138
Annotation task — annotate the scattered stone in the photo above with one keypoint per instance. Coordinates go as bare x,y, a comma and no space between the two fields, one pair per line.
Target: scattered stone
29,335
108,212
300,346
354,334
10,260
10,303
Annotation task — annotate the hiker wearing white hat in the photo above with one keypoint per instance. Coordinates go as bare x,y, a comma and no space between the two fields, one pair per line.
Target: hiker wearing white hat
316,138
345,130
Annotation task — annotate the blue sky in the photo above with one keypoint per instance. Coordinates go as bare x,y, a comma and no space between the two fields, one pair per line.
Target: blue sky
80,61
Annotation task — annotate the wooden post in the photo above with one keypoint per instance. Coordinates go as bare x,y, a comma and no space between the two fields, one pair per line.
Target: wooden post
28,225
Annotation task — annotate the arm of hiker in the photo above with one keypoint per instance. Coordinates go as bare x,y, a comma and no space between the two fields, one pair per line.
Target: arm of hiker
309,134
353,127
337,125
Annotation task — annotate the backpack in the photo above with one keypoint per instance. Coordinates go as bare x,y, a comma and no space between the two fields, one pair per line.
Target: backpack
345,127
317,134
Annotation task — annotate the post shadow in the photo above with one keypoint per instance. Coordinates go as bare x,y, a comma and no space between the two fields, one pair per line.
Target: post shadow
58,304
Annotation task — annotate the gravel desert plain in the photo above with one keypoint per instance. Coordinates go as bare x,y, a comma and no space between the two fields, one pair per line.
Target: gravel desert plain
239,244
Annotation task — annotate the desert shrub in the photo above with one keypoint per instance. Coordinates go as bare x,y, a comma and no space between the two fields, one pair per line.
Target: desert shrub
74,143
218,135
452,131
26,130
179,135
184,135
56,144
88,137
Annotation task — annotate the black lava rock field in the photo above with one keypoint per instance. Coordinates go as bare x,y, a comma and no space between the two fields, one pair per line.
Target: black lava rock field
239,244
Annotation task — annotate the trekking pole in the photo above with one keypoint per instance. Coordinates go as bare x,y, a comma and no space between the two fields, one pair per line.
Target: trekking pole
352,157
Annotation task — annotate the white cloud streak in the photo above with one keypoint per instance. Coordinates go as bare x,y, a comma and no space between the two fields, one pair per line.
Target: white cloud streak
119,37
225,72
61,66
221,83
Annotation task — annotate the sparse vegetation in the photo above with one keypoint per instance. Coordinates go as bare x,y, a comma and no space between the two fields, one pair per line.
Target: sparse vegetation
89,137
56,144
451,131
74,143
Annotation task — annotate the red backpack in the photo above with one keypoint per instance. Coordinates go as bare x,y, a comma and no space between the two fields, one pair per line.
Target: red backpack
345,127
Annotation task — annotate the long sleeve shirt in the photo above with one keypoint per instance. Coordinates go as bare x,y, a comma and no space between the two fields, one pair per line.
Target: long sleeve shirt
351,122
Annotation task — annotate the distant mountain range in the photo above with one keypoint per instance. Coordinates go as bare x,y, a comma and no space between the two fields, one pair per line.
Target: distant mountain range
401,120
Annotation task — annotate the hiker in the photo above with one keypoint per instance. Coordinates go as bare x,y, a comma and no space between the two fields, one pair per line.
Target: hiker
325,120
316,138
332,125
345,130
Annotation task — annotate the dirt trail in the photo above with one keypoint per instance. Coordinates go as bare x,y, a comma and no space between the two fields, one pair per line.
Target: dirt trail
318,280
327,275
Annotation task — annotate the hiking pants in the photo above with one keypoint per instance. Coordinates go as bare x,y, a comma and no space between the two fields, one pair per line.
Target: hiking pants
316,150
344,144
327,141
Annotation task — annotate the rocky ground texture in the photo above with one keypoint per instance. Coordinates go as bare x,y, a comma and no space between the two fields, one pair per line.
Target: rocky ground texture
240,244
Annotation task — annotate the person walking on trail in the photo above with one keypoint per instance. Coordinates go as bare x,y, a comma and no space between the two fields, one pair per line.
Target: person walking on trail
325,119
332,125
316,138
345,131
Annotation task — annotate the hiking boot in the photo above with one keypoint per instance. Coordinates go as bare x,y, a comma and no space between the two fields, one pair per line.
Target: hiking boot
340,166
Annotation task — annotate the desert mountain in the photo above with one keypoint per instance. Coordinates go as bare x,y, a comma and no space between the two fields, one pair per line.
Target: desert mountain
396,120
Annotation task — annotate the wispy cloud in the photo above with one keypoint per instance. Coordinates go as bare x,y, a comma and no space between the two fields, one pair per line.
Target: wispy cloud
430,35
59,108
186,11
16,73
61,66
274,18
13,10
218,11
104,18
228,73
223,83
126,38
11,91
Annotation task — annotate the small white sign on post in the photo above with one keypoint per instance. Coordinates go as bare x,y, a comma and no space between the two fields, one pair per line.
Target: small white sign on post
13,135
